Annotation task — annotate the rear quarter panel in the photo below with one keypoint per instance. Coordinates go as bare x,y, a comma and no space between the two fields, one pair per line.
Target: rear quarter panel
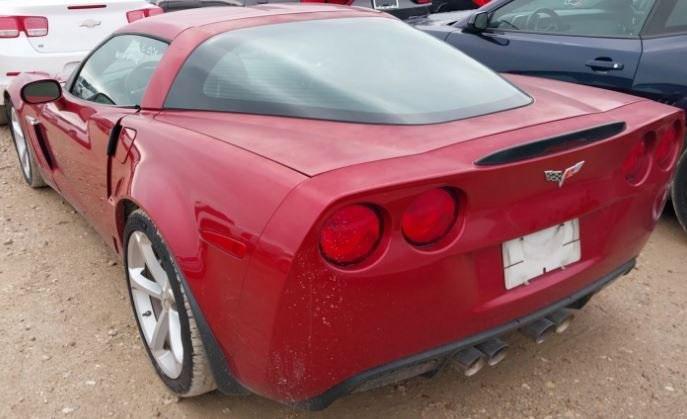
201,194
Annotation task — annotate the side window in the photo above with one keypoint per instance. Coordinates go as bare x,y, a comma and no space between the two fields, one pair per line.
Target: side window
119,71
678,17
604,18
670,18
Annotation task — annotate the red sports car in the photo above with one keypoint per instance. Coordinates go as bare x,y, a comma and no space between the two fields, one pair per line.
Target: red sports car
311,200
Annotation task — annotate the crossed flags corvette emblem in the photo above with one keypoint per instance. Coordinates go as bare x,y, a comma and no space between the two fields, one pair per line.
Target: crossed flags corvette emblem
561,176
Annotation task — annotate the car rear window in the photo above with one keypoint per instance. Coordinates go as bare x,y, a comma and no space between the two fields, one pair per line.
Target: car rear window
368,70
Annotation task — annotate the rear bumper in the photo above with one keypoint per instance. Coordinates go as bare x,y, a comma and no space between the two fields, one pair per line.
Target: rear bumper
425,363
431,361
17,55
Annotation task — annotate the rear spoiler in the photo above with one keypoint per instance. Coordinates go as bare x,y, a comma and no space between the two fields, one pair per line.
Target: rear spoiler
553,144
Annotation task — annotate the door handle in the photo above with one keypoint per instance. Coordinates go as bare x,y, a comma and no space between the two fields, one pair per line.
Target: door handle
604,64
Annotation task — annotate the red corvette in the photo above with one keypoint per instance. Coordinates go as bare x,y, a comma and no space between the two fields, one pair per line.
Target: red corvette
315,200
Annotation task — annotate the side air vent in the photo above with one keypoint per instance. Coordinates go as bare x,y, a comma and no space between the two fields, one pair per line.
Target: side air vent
40,137
552,145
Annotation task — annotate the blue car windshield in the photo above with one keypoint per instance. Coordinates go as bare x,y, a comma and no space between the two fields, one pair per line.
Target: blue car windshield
369,70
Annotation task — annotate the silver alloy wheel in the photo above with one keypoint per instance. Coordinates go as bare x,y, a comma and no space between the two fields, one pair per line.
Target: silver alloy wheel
155,305
22,146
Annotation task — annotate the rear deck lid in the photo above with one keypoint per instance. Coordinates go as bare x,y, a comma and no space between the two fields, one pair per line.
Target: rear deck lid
75,25
313,147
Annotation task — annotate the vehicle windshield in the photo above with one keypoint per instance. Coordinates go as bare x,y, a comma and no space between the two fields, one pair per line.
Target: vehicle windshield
368,70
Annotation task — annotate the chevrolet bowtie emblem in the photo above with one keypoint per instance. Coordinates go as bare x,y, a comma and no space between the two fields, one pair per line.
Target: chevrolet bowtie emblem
560,176
90,23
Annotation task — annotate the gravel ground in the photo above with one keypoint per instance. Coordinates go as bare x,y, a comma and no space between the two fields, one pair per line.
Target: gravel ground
71,347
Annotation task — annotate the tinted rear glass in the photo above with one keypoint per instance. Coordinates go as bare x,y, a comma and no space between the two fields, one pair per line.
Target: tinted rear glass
370,70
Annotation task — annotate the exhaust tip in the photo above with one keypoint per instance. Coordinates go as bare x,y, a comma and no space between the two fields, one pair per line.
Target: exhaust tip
470,360
494,360
539,330
561,328
495,350
562,319
475,368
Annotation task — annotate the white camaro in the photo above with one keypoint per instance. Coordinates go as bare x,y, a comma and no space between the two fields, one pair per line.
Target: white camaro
53,36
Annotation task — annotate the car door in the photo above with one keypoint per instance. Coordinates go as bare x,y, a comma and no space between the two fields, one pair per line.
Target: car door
592,42
661,75
109,85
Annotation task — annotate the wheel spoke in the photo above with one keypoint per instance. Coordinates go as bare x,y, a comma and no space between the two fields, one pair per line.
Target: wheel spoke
159,336
169,364
142,283
155,305
175,336
25,158
16,126
156,270
20,142
17,129
21,146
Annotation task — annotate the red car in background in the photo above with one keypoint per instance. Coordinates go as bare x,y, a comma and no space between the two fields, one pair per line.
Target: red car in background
303,210
403,9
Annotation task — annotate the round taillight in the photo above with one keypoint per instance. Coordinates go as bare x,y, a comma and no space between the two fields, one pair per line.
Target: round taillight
350,234
429,217
667,148
636,164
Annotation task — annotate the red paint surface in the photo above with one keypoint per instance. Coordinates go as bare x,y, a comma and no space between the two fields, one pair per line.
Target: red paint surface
240,200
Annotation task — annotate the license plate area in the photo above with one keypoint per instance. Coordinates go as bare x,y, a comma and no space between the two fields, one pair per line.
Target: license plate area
533,255
385,4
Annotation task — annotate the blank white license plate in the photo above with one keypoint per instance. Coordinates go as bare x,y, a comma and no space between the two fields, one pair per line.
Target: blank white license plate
385,4
531,256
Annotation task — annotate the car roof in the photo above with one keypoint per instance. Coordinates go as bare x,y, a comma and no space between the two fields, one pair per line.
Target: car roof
219,19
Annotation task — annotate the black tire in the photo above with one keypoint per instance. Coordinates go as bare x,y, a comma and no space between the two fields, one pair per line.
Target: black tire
3,115
679,191
196,377
33,178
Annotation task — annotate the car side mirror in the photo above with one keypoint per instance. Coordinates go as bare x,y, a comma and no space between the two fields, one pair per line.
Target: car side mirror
478,22
41,91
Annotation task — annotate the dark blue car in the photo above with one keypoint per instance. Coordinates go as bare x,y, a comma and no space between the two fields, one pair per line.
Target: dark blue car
634,46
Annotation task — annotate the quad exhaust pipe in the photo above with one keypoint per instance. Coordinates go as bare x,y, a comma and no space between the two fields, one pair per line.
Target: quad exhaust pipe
538,330
474,358
494,349
490,352
558,322
562,319
471,360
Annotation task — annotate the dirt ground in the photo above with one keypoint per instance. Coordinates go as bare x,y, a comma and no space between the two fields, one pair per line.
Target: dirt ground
70,347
